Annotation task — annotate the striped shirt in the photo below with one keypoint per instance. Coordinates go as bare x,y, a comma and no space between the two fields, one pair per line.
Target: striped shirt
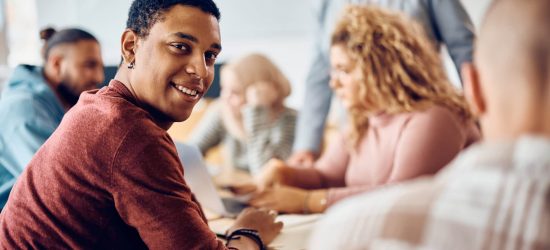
265,139
493,196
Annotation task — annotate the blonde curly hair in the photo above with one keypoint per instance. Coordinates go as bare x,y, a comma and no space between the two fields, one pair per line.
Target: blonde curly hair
401,70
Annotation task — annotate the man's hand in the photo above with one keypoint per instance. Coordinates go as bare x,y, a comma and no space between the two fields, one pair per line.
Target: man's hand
261,220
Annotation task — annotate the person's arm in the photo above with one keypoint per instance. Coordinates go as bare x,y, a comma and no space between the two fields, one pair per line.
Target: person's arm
267,139
328,171
454,28
210,131
333,164
303,189
150,194
311,119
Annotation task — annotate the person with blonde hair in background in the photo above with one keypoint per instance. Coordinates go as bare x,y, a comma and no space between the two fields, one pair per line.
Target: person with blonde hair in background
250,118
495,195
405,119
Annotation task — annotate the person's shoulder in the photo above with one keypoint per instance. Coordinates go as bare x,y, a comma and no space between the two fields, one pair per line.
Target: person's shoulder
107,103
27,96
438,116
435,112
390,210
290,112
106,114
26,105
144,139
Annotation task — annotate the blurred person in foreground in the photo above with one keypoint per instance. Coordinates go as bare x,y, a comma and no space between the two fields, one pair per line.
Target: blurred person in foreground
495,195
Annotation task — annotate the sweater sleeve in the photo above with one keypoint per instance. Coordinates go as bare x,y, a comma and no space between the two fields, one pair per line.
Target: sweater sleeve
209,131
333,164
328,171
150,194
265,139
29,125
310,126
453,26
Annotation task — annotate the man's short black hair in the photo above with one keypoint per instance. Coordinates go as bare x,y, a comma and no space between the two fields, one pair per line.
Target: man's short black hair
144,14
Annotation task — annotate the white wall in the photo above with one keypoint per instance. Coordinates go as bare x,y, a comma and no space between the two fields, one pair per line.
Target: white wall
280,29
106,19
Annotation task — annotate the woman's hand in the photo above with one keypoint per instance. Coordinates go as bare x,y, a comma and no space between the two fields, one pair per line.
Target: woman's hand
262,221
282,198
274,172
261,94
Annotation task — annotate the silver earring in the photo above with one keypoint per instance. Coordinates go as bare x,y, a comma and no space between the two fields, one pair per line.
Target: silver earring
131,65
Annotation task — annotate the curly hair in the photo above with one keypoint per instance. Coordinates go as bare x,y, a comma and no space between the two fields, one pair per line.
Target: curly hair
144,14
401,70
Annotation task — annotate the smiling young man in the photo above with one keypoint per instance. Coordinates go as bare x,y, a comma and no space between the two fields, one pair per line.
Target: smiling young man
110,177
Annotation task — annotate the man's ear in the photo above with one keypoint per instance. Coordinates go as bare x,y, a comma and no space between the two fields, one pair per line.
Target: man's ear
55,62
472,89
128,45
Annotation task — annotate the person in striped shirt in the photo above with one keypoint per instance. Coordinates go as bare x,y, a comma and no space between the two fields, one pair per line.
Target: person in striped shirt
250,118
496,194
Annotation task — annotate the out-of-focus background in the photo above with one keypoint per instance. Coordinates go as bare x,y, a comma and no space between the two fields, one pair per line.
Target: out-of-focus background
283,30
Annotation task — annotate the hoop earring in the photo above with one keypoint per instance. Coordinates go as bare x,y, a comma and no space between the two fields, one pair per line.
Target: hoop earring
131,65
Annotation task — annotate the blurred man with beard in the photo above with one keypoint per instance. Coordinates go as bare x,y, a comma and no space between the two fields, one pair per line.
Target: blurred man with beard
36,98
